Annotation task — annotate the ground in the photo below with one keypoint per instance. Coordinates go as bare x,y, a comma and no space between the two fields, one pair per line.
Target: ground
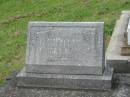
15,15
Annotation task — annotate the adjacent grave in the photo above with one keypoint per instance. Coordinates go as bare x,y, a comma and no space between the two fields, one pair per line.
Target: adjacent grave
66,55
118,52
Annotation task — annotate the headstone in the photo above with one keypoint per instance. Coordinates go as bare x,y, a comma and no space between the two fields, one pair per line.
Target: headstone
67,48
65,55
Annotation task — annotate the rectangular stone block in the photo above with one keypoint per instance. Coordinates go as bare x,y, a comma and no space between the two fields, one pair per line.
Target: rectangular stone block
103,82
65,48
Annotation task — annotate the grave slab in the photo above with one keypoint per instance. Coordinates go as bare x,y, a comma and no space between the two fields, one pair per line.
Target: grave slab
101,82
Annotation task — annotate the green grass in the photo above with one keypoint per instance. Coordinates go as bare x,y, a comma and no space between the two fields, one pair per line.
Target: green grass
15,15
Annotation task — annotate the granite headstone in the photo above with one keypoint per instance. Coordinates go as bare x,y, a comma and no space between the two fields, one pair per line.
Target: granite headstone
65,48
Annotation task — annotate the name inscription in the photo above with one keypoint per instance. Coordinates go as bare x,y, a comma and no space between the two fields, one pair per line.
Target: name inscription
64,46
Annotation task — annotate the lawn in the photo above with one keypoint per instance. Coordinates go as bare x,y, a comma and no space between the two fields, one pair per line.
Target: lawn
15,15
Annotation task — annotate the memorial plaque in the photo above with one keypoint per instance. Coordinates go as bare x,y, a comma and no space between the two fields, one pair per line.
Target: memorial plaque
65,48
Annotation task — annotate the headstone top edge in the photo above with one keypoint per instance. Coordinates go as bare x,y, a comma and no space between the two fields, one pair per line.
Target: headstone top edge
60,24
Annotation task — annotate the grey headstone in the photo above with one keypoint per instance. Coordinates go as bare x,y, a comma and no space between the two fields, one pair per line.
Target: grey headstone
65,48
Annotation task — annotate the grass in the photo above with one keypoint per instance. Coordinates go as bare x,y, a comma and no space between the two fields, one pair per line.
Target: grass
15,15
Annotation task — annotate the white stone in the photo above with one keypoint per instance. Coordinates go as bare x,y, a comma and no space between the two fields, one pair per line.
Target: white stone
128,33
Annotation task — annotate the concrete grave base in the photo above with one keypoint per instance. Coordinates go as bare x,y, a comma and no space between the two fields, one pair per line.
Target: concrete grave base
66,81
114,59
121,88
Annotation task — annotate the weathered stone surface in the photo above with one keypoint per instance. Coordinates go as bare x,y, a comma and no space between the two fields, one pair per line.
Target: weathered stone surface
66,48
102,82
121,89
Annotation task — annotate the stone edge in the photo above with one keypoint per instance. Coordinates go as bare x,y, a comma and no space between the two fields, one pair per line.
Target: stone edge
103,82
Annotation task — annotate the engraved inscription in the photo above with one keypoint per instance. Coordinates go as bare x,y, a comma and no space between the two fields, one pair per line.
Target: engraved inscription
64,46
